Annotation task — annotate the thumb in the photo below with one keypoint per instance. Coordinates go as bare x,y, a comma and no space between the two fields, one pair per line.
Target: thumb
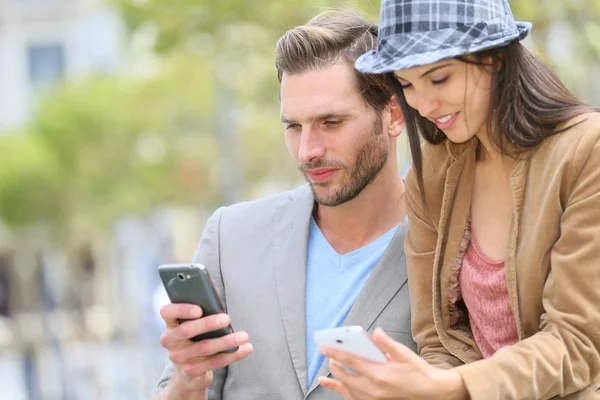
395,351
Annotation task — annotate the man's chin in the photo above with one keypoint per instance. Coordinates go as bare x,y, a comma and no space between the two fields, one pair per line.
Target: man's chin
327,198
321,185
322,193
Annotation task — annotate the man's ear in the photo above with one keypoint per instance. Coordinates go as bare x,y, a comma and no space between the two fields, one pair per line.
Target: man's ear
397,123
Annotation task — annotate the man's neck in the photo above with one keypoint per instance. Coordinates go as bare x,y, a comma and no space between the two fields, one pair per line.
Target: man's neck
356,223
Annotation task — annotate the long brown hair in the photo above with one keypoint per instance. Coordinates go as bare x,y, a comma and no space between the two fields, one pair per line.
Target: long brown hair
528,101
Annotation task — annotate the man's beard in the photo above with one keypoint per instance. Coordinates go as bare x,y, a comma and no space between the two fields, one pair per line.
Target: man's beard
370,160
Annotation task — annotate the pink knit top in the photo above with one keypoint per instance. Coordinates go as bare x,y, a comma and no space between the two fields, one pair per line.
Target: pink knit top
484,291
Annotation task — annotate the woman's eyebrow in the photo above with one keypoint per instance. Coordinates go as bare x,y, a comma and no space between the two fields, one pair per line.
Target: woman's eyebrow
429,71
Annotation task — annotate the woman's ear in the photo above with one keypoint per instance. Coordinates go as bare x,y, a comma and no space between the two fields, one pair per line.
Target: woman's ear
397,122
500,60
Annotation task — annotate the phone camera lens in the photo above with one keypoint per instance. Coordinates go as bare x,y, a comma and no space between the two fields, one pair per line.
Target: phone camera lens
340,341
181,276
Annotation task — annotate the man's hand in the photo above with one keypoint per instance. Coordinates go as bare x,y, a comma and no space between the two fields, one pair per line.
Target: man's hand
194,361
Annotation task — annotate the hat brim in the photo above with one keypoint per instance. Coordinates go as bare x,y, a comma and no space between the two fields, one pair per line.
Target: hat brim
373,62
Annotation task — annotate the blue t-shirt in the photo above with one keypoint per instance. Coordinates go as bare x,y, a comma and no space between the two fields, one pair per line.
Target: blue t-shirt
333,283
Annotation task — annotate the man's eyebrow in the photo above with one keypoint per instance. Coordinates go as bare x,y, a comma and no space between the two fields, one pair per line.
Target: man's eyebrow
429,71
319,117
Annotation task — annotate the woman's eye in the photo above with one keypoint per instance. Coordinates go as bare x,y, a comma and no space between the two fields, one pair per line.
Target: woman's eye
439,81
405,85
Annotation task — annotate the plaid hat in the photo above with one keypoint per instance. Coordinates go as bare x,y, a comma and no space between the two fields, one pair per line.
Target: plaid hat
420,32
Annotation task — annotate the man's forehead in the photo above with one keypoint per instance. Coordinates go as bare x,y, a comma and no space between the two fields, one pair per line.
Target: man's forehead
336,78
314,109
327,90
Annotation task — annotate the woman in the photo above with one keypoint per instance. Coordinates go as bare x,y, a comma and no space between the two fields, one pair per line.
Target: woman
504,211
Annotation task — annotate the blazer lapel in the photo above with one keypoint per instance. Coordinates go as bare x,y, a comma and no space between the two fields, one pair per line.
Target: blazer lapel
290,256
518,179
383,284
455,211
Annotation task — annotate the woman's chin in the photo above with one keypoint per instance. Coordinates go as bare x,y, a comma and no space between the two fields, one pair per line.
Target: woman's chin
458,137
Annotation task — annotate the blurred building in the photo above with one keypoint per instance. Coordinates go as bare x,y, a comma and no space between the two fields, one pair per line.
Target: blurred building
44,42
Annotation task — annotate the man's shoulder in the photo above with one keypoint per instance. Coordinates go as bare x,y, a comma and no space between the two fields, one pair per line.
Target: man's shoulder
256,211
396,244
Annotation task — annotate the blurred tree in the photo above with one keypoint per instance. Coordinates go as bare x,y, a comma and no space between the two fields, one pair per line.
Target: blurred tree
124,146
30,183
184,23
103,147
566,34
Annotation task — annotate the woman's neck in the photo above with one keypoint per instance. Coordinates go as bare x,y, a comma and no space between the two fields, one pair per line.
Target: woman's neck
488,154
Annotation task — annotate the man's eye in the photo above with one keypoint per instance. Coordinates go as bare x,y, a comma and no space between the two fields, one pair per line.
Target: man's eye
332,122
292,126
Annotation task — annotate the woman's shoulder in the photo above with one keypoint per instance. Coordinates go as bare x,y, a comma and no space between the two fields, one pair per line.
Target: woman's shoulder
584,127
438,158
577,138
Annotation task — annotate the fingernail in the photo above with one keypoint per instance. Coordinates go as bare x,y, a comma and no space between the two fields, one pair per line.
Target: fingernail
241,337
195,312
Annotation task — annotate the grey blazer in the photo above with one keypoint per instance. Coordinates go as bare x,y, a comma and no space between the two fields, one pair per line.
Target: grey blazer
256,253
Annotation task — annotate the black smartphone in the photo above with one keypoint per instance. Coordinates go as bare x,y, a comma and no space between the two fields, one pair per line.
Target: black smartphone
191,284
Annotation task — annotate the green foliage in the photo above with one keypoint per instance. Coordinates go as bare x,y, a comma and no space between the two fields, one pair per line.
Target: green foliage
180,22
565,33
31,186
103,147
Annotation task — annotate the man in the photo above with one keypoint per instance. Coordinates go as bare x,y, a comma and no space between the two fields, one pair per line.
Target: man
329,253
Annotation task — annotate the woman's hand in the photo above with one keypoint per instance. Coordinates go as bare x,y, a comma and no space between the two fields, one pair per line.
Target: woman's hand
404,376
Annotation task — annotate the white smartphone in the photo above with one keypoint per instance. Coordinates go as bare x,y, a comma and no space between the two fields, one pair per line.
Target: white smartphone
351,339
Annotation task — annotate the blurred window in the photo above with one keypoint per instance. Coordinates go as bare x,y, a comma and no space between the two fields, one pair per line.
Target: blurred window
46,64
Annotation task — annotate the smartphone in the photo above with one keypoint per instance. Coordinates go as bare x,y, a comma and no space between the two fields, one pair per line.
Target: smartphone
350,339
191,284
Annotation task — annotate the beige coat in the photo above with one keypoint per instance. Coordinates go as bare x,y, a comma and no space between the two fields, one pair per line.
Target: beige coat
552,268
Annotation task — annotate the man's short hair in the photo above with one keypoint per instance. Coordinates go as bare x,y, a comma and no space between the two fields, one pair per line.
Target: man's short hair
328,38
